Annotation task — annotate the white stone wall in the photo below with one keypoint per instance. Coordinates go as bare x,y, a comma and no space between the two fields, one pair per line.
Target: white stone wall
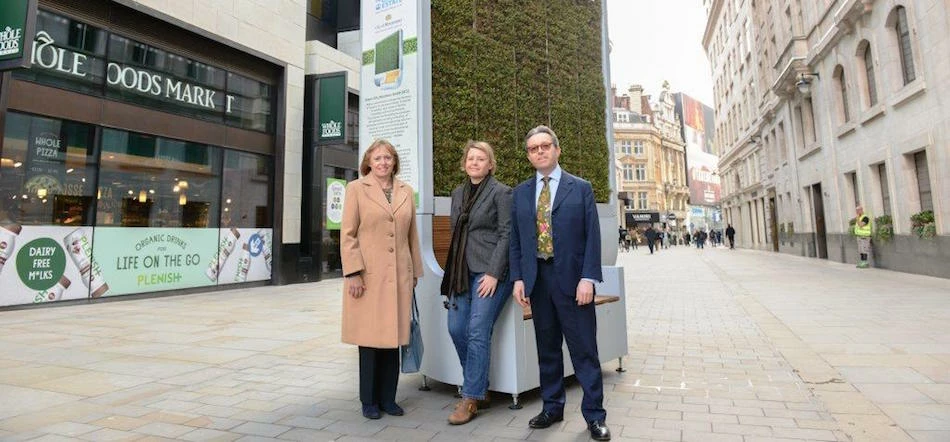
323,59
273,29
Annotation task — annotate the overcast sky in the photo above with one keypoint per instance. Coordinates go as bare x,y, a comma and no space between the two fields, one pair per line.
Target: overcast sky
657,40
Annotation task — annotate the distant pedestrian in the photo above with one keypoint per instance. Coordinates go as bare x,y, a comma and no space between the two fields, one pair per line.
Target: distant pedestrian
731,235
688,239
862,230
651,238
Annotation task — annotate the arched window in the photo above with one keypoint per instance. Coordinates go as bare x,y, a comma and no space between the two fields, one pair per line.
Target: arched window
843,89
904,45
871,83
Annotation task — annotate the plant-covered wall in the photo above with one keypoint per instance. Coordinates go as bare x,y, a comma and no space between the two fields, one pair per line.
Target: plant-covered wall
502,67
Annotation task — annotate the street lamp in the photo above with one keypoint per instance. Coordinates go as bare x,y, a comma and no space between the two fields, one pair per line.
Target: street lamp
804,82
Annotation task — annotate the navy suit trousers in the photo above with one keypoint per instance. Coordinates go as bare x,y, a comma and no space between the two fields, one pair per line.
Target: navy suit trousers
557,317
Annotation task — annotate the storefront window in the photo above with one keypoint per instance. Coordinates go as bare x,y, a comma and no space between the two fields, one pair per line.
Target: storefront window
67,54
251,107
246,190
47,171
151,181
73,55
148,76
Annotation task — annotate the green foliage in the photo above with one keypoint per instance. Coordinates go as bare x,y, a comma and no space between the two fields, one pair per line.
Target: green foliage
502,67
410,46
369,57
884,228
923,224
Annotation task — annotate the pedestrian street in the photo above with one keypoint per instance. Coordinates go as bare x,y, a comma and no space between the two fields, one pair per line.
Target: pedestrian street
724,345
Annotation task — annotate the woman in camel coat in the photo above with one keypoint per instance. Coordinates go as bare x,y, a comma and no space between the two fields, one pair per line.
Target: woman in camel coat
379,245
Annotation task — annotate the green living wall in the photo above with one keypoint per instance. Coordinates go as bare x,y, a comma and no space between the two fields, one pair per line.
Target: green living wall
502,67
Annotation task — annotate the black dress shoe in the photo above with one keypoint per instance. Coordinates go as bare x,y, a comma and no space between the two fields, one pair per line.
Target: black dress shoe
392,409
371,412
599,430
544,420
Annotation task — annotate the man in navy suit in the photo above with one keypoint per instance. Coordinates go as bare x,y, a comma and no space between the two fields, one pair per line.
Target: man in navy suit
554,263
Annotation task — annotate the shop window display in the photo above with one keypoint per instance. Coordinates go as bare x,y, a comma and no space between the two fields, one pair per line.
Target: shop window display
151,181
47,172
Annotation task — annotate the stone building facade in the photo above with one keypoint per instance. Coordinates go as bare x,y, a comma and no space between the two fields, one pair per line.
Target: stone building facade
650,160
824,107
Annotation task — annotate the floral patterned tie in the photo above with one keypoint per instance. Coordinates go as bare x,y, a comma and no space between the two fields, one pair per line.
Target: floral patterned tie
545,241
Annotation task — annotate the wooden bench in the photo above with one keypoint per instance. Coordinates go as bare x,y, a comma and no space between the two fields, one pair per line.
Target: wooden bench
598,300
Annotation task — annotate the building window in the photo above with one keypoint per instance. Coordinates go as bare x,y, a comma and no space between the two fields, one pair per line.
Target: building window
246,190
851,179
48,172
642,200
885,193
623,146
842,84
783,153
628,204
641,172
806,120
149,181
638,147
628,172
904,45
923,181
869,75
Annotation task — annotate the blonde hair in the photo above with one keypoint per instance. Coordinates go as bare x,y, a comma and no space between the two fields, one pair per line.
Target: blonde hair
484,147
364,165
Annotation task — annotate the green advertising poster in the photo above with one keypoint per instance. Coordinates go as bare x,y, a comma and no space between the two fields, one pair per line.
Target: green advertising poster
336,193
139,260
331,112
17,22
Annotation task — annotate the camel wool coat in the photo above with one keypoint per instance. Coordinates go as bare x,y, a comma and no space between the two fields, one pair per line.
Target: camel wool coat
381,241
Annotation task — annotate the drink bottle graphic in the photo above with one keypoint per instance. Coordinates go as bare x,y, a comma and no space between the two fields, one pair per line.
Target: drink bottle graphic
8,235
228,241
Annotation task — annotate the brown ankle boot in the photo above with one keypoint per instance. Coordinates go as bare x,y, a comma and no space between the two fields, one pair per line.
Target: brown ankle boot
464,412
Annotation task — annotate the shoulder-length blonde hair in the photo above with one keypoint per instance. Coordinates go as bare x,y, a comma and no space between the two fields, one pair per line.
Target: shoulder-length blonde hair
484,147
364,165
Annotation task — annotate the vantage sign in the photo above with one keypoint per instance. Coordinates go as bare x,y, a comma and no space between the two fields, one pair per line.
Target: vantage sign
17,20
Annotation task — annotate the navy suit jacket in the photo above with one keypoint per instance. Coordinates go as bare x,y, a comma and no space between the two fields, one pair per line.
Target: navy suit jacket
575,228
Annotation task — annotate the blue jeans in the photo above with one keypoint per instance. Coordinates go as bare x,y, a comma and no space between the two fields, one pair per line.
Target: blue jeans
471,320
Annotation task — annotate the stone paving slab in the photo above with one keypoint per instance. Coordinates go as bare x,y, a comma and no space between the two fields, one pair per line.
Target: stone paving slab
724,346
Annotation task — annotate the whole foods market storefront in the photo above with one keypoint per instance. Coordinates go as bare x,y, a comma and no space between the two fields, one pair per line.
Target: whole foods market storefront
136,157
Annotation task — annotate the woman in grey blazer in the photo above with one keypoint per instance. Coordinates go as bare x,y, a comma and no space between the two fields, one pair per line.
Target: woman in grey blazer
476,272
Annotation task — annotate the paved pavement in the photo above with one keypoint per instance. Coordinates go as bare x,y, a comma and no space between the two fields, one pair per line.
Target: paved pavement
724,346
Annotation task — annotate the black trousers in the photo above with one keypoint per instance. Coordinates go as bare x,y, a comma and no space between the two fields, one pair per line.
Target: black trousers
379,375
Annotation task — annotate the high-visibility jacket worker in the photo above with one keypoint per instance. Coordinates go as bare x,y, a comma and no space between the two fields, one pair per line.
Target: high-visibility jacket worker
862,229
865,230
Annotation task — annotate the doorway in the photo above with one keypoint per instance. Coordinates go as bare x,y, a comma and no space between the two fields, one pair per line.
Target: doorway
821,239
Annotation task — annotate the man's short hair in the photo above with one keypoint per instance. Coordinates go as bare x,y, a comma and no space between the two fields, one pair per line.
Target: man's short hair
542,129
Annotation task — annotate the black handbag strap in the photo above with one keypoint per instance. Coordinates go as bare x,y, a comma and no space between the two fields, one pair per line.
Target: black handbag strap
415,306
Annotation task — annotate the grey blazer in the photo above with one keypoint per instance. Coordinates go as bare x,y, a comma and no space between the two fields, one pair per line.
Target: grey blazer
489,224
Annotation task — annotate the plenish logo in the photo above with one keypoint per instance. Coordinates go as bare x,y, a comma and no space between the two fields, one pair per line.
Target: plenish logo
10,40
